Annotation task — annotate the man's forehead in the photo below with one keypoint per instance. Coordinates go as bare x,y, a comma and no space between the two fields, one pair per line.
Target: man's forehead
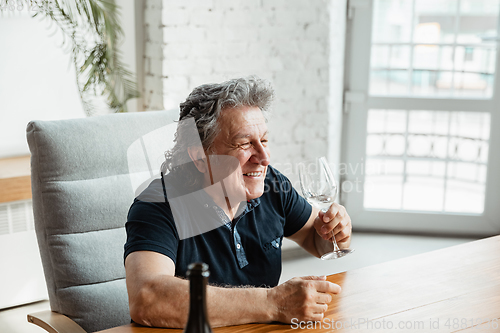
239,121
242,135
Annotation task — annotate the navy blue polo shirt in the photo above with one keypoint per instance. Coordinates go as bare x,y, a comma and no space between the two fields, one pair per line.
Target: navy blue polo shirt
242,252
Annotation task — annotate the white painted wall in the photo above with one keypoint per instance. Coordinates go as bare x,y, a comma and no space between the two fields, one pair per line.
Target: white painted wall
37,79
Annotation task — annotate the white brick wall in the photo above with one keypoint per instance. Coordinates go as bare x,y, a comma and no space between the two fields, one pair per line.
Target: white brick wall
153,55
287,42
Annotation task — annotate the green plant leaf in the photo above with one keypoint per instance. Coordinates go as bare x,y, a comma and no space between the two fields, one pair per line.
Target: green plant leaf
92,29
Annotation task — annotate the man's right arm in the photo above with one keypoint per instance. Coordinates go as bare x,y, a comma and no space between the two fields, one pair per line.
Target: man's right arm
158,298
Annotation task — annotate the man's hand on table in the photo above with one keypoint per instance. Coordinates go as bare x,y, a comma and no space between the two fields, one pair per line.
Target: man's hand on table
159,299
336,219
303,298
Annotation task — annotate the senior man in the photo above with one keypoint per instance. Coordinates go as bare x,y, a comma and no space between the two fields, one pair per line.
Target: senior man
243,246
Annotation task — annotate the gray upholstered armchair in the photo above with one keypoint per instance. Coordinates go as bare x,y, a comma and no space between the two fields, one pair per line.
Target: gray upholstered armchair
85,173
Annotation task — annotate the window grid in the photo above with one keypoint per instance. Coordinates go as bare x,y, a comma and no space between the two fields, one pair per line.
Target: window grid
458,83
451,161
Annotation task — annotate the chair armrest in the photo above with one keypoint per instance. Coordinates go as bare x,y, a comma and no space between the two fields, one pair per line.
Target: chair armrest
54,322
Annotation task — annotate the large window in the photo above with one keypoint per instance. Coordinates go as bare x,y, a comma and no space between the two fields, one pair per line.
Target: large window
420,128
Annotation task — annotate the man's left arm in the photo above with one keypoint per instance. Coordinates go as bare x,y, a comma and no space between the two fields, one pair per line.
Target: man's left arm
316,235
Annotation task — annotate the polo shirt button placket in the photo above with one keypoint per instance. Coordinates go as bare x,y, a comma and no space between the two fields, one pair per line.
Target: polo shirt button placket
240,252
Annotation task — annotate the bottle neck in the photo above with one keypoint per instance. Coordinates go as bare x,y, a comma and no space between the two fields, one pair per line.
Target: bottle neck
198,320
197,299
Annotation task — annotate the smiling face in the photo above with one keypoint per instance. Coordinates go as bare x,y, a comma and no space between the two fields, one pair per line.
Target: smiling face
243,135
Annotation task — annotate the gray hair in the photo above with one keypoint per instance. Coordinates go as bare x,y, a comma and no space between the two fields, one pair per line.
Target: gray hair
205,104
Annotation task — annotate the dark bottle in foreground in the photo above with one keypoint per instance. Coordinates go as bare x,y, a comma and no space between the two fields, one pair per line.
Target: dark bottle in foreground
197,274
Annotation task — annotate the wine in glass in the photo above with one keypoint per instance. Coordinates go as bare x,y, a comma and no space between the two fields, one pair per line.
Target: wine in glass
320,190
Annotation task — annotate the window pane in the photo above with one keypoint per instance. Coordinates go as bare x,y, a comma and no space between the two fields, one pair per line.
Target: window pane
428,57
383,184
392,21
384,121
478,19
380,56
464,197
399,56
423,194
389,82
473,125
424,186
426,160
434,21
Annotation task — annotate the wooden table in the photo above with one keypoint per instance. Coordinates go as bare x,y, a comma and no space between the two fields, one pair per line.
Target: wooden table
15,179
456,289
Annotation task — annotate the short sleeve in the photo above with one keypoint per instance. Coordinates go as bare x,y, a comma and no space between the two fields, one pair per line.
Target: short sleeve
150,225
297,210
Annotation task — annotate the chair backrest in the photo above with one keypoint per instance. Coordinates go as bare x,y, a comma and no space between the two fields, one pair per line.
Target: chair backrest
82,190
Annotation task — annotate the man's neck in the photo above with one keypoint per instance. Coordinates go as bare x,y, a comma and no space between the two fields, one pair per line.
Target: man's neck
222,201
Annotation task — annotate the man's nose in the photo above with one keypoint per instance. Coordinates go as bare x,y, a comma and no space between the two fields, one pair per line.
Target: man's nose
261,156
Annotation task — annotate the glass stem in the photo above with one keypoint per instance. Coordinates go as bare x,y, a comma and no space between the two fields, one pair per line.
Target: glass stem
334,241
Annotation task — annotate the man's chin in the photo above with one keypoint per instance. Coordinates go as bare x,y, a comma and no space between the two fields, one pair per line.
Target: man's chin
254,194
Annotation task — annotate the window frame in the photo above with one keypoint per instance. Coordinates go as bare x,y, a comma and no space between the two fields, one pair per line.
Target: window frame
357,71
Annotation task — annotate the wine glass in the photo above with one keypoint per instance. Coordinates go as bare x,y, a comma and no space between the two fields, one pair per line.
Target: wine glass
320,190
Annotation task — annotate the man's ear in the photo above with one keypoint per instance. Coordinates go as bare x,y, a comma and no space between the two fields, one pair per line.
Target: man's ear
197,155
